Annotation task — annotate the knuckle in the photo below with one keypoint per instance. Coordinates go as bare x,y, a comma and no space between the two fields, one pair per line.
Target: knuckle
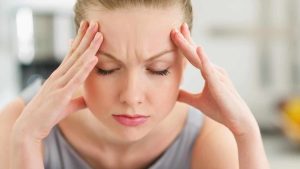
224,72
53,75
200,48
76,54
72,50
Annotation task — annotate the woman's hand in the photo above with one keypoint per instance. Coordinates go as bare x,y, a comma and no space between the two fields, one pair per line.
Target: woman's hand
218,100
221,102
55,101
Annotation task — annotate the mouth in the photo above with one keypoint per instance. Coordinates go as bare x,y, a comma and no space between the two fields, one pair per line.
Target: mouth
131,120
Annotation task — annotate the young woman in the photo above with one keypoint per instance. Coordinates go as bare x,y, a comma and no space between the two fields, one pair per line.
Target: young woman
115,103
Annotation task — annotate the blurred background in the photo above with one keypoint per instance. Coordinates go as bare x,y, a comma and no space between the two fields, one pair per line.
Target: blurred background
256,41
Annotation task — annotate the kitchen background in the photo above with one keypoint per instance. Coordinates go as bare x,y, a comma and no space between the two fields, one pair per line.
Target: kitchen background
256,41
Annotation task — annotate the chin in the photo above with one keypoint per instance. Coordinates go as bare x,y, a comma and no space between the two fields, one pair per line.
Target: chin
130,134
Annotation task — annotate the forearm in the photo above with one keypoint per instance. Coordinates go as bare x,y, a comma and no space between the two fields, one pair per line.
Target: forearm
251,151
25,153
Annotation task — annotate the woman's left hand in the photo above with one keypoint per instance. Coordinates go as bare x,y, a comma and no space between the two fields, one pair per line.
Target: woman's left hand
219,100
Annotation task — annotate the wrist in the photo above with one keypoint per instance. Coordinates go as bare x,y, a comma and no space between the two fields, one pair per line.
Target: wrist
245,126
22,134
25,152
249,133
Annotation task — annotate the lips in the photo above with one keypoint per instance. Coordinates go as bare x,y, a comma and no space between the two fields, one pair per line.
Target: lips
131,120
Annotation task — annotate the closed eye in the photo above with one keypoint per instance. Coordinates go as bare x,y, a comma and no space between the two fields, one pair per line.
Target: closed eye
105,72
161,73
154,72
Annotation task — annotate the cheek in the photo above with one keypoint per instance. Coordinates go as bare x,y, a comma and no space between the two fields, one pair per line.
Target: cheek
164,94
160,92
98,94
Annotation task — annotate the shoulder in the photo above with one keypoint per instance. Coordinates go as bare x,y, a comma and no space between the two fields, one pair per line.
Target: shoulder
8,115
215,147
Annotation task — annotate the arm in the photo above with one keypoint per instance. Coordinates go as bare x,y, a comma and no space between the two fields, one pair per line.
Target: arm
8,116
251,150
25,152
55,100
220,101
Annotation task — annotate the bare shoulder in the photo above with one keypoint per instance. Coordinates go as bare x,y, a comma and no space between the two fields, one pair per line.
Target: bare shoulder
8,115
215,147
12,110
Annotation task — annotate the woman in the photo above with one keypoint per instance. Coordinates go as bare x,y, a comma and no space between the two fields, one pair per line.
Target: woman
114,102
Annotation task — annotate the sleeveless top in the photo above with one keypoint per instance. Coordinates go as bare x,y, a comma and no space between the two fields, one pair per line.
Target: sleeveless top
59,154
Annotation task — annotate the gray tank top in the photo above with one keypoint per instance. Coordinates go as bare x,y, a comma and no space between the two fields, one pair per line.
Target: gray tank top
59,154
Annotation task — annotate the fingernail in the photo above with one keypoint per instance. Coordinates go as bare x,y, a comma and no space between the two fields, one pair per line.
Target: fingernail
95,26
186,25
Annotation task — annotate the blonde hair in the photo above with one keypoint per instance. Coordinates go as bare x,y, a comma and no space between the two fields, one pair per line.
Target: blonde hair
81,5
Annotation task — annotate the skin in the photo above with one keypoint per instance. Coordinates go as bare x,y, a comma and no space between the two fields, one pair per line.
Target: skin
134,89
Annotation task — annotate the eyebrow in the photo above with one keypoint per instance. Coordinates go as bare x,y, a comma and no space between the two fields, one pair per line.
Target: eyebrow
150,59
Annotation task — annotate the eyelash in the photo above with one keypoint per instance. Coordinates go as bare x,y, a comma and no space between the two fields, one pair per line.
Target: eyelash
108,72
105,72
160,73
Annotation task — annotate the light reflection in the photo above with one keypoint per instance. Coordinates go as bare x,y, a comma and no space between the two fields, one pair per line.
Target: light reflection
25,36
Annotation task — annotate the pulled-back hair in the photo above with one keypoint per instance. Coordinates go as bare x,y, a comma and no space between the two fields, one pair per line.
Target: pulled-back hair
81,5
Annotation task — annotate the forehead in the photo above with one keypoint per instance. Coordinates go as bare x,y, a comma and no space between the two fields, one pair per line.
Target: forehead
141,27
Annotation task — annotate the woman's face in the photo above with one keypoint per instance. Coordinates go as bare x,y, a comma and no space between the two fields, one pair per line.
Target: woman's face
135,84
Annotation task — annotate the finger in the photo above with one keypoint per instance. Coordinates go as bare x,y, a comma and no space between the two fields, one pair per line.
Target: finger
224,77
73,45
186,48
75,42
84,25
94,46
208,72
75,105
84,43
188,98
80,76
221,72
88,55
186,33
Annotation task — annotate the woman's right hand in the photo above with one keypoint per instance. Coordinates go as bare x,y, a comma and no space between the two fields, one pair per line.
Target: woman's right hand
55,101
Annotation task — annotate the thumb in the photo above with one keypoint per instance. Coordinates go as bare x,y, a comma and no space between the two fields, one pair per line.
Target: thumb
75,105
188,98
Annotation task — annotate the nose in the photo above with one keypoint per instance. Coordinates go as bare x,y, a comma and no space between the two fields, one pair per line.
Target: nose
132,93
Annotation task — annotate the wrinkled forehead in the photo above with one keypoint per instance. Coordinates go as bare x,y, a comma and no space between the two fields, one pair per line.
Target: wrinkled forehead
140,27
